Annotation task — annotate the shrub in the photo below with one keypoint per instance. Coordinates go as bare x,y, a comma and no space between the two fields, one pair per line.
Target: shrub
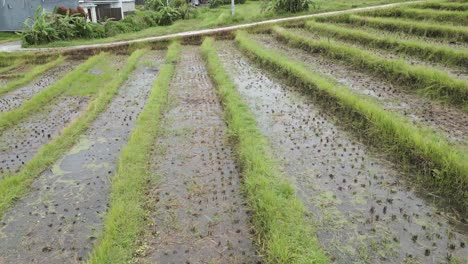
289,6
40,29
167,15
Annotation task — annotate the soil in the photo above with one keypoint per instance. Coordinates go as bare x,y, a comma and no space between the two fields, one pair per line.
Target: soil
445,119
60,219
363,207
198,212
16,98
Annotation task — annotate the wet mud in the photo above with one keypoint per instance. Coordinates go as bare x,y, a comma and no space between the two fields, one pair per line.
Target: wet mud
446,120
16,98
363,208
454,72
61,218
198,213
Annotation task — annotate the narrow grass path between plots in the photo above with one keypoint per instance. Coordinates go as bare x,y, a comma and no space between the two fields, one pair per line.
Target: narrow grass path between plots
432,83
29,76
124,222
15,186
412,27
433,53
442,166
278,219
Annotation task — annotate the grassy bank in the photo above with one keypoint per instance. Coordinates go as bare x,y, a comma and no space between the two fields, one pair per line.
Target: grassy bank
124,222
445,16
278,219
442,167
15,186
442,6
207,18
42,98
30,75
433,53
425,80
416,28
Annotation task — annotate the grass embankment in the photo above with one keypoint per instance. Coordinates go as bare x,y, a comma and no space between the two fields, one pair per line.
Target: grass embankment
397,25
442,6
283,233
442,167
124,222
42,98
433,53
30,75
7,37
15,186
454,17
207,18
425,80
12,66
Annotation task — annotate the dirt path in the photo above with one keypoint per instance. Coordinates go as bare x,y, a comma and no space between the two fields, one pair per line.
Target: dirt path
364,210
453,72
448,120
199,213
17,97
58,222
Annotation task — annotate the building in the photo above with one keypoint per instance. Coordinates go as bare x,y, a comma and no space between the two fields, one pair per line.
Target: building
13,13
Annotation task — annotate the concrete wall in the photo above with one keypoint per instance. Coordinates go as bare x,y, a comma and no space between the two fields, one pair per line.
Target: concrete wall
14,12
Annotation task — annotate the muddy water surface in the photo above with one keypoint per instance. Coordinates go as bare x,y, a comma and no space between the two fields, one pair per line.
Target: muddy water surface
364,210
17,97
199,214
449,121
59,221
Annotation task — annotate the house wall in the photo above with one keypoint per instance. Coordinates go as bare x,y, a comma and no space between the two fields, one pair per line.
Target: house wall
14,12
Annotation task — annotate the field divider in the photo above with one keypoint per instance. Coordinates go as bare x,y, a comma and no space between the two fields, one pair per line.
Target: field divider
427,81
125,223
284,234
15,186
455,17
29,76
442,167
415,28
433,53
441,6
14,65
39,100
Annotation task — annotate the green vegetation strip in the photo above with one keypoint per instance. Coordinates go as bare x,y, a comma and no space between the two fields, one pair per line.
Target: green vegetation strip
442,167
432,83
433,53
14,65
29,76
279,221
442,6
411,27
16,186
456,17
124,222
42,98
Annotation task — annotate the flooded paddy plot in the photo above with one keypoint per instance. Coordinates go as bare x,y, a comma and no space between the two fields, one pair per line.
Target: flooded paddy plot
448,120
363,208
16,98
60,219
199,214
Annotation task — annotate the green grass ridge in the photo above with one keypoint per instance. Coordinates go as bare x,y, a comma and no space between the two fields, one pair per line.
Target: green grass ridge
442,6
283,233
424,29
30,75
430,82
13,187
446,16
125,223
39,100
429,52
442,167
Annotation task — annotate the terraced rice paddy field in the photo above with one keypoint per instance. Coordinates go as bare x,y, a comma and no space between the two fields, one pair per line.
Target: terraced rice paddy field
341,139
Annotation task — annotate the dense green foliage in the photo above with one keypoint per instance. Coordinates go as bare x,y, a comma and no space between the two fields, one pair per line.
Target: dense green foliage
125,222
288,6
279,221
443,167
